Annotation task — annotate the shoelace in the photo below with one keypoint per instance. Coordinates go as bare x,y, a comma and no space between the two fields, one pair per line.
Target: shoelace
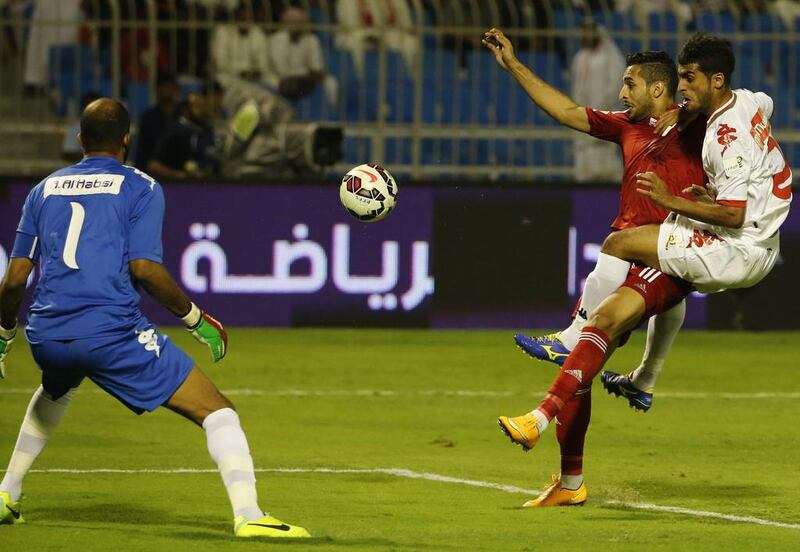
552,487
546,338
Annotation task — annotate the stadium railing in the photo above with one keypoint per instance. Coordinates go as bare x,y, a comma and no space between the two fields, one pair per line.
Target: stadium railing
425,99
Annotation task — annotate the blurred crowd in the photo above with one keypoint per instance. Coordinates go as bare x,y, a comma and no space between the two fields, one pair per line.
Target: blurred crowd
222,74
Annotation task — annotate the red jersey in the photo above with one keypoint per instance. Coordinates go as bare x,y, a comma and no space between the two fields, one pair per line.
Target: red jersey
676,158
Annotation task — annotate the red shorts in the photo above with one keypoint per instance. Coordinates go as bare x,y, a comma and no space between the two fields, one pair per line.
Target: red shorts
660,291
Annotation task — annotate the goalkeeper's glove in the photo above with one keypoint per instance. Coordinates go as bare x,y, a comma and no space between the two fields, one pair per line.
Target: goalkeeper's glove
205,329
6,340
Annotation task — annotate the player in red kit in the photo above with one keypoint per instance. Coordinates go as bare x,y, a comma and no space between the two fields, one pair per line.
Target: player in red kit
648,88
726,240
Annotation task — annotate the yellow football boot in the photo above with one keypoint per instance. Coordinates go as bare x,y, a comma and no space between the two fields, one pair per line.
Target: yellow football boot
267,526
10,513
556,495
521,430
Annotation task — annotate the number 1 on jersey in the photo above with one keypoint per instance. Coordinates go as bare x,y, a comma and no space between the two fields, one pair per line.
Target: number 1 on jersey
73,234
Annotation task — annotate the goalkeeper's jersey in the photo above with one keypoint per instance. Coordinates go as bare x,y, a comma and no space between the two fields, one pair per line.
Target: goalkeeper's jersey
83,224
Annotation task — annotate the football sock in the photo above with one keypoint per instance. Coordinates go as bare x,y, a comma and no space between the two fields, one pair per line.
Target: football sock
572,424
609,273
661,332
41,419
571,482
582,365
227,445
542,421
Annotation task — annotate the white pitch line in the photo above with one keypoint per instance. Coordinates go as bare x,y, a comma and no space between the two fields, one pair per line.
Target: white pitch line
410,474
467,393
702,513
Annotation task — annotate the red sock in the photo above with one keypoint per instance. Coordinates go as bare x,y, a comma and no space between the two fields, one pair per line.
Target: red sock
582,364
571,427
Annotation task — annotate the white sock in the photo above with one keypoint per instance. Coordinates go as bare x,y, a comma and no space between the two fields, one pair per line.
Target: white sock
41,419
609,273
227,445
541,420
661,332
571,482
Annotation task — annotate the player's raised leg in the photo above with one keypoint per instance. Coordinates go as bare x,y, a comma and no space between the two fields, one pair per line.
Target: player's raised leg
199,400
637,387
616,315
41,419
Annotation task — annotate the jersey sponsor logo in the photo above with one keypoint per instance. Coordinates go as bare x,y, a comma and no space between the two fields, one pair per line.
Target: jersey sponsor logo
149,338
83,184
760,129
725,136
734,166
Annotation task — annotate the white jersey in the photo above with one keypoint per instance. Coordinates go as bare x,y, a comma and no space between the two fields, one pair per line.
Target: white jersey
747,167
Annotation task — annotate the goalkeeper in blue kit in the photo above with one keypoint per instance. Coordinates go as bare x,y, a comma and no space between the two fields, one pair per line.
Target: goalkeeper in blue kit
95,230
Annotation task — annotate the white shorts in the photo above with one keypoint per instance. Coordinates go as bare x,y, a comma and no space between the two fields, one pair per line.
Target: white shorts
710,262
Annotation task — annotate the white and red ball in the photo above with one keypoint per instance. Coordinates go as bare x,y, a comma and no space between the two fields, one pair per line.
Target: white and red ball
368,192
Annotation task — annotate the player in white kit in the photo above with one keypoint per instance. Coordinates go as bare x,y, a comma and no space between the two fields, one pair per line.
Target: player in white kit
713,243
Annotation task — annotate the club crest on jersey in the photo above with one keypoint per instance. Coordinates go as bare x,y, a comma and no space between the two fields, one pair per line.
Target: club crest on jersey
149,338
725,136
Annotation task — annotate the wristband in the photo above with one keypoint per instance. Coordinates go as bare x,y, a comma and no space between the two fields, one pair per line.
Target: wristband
193,317
8,334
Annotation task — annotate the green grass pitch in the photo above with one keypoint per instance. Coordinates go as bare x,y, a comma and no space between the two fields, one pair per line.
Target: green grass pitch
722,437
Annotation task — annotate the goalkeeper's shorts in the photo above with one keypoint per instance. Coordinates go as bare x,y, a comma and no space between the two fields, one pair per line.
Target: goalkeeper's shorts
142,369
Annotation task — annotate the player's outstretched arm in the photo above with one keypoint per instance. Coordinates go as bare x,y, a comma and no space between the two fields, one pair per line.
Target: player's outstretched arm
554,102
12,290
158,283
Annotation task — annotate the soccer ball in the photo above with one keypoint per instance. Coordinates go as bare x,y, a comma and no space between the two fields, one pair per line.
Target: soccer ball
368,192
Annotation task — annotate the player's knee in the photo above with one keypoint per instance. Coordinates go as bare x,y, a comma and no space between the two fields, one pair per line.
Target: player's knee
604,320
614,244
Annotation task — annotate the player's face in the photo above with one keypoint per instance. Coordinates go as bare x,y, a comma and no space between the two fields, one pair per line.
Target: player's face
634,94
695,87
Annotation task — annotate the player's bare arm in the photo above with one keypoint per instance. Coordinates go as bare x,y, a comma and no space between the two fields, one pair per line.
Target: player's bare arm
158,283
12,290
554,102
704,211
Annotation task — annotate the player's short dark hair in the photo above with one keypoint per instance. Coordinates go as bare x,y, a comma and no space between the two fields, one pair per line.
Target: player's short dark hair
656,66
712,54
104,124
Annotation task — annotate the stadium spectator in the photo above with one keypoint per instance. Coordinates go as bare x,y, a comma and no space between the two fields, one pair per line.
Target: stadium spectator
728,239
595,73
366,23
54,23
788,11
188,149
140,57
71,149
158,119
296,58
648,89
10,11
85,319
239,50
